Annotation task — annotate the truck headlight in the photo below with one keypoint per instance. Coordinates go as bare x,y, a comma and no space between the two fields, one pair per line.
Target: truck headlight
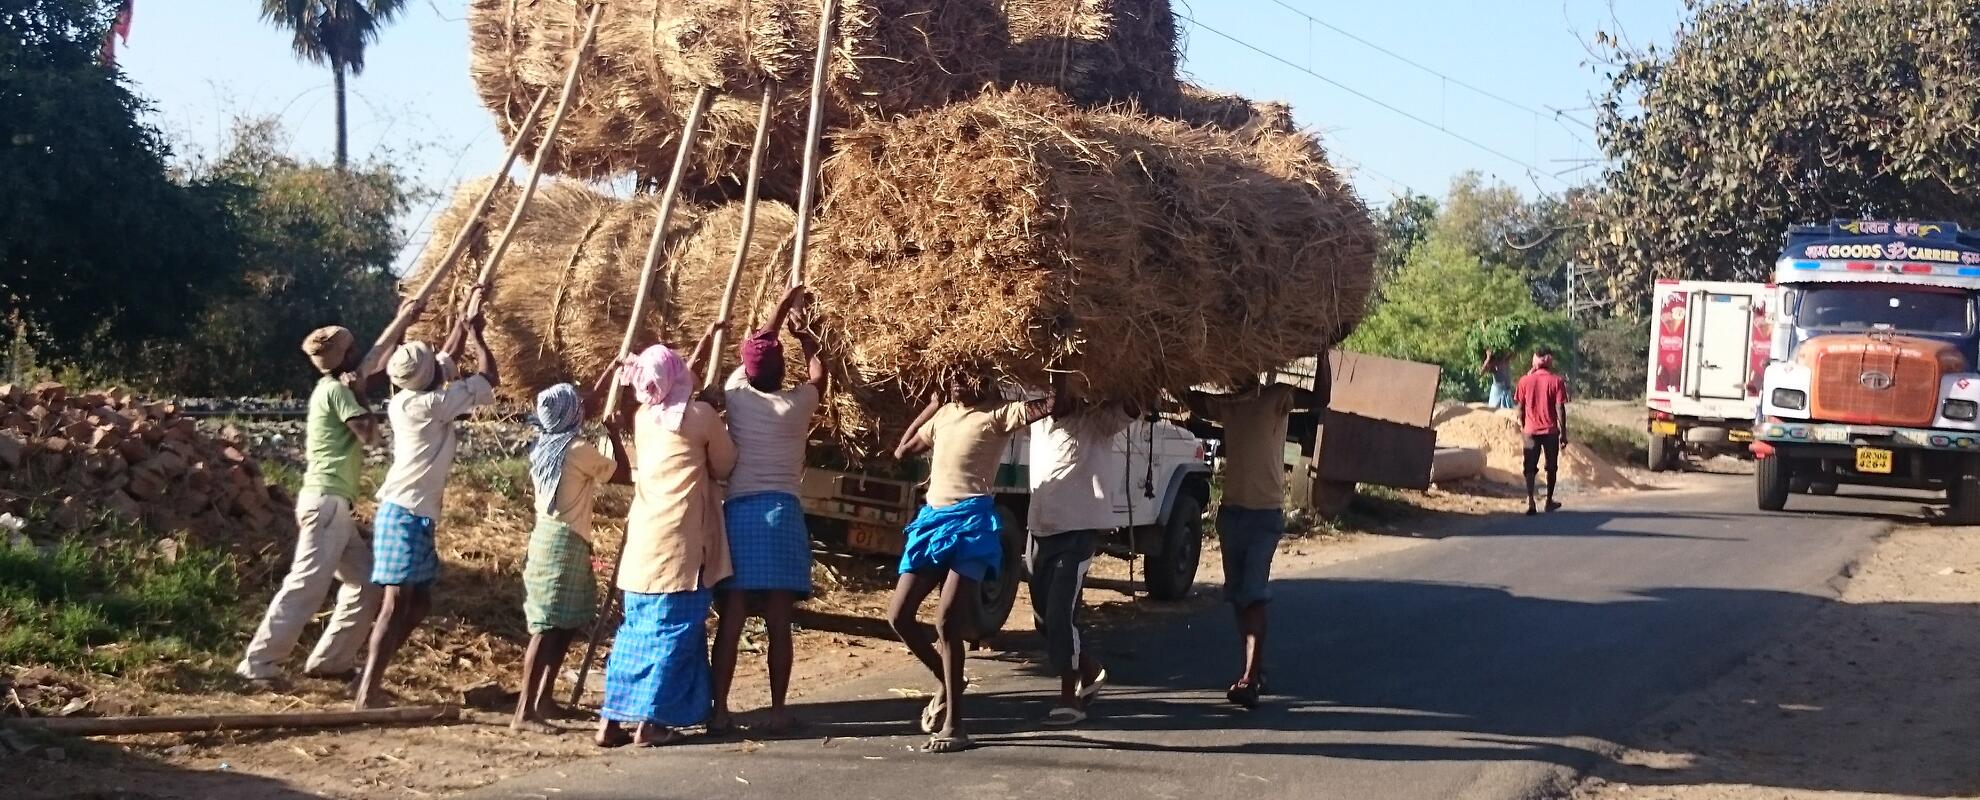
1962,410
1791,398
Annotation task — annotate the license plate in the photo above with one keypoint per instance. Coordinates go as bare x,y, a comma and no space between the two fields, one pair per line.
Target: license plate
1873,460
875,539
1664,428
1740,435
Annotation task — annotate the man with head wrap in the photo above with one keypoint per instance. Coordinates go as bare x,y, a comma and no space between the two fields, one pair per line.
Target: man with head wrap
675,553
422,414
1542,398
765,525
559,591
329,548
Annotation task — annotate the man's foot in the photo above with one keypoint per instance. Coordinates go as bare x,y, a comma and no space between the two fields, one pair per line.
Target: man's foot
934,716
1245,693
338,675
528,725
1531,510
953,742
266,685
612,735
1090,685
651,735
1553,506
720,723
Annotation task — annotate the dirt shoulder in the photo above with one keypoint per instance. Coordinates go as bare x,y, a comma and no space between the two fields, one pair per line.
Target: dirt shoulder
1875,695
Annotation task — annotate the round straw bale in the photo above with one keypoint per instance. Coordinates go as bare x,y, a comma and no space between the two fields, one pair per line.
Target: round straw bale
1018,233
1097,51
890,57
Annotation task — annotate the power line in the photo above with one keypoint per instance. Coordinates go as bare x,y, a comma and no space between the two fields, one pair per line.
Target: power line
1530,169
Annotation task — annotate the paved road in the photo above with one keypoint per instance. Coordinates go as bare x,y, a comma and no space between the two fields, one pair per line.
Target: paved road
1474,666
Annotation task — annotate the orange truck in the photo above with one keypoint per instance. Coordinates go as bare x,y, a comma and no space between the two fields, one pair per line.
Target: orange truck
1871,378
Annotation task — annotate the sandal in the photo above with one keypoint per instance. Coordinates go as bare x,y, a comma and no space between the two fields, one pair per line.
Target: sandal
1087,691
931,716
938,743
1244,694
1065,717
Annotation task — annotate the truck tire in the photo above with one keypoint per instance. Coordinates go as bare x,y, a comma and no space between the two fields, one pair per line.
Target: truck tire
1663,453
1172,568
995,597
1771,478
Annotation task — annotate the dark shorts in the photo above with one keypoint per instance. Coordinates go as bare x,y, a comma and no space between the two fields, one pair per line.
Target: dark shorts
1548,444
1250,537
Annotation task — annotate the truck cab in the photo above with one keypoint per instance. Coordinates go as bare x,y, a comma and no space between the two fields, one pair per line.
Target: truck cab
1871,377
1158,513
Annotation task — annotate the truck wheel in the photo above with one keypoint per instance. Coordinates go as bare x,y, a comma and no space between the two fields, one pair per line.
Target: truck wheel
1771,477
1965,497
1172,569
995,597
1663,453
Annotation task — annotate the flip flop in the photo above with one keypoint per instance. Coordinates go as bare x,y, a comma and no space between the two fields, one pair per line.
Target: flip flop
1064,717
1086,692
947,744
1244,694
931,716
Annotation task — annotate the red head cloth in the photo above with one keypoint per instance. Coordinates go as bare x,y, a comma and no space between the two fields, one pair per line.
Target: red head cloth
760,352
1542,361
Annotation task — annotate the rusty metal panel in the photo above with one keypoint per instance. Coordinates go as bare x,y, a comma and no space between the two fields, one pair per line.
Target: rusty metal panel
1359,449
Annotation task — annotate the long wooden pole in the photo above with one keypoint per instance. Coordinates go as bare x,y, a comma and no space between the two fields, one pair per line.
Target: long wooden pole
814,131
658,243
654,247
714,376
543,152
187,723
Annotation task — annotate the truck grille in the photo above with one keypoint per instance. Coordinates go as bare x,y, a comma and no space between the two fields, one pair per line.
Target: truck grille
1845,376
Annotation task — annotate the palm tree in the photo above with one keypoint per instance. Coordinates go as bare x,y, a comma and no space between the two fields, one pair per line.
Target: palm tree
333,32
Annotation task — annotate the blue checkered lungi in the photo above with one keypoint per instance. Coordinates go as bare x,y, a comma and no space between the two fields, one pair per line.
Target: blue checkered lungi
402,548
658,670
768,543
965,537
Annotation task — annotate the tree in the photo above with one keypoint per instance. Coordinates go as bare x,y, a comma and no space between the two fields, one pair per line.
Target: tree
1770,112
333,32
1403,224
97,243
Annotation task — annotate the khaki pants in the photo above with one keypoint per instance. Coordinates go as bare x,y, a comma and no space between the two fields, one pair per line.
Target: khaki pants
328,549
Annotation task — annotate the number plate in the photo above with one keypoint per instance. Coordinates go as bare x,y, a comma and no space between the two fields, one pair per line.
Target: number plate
1664,428
1873,460
876,539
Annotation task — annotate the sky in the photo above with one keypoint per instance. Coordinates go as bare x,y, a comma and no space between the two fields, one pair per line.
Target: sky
1406,93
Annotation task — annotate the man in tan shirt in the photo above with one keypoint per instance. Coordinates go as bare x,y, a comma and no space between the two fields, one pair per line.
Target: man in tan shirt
1251,518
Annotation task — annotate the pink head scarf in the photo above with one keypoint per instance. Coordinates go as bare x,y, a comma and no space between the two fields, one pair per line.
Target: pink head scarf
1542,361
661,380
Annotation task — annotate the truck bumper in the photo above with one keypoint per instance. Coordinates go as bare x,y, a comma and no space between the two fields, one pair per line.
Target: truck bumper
1869,455
1853,436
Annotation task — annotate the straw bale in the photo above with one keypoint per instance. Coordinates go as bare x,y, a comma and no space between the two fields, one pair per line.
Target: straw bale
890,57
1235,113
1097,51
1016,232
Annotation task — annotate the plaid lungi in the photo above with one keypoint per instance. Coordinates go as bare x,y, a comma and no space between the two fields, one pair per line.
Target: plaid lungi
768,543
658,671
402,548
559,592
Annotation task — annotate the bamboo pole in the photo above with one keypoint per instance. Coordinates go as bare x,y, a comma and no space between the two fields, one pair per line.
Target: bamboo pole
542,153
189,723
658,242
814,130
654,247
748,228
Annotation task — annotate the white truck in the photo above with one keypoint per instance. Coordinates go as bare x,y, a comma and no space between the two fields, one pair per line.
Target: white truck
1708,348
1158,515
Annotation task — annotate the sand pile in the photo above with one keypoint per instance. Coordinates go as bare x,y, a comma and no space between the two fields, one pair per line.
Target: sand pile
1018,232
1498,434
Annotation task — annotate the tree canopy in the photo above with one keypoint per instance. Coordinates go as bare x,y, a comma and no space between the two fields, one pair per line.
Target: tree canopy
1770,112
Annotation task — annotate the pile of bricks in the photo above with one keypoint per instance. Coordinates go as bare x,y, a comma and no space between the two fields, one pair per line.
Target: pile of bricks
81,456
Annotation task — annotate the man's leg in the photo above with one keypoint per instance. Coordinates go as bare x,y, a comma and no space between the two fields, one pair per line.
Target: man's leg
1257,541
556,644
527,718
1553,451
777,608
309,578
952,626
1531,468
728,636
404,608
337,653
909,592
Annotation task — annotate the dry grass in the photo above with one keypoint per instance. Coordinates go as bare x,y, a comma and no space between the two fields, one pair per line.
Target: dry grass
1018,233
890,57
1097,51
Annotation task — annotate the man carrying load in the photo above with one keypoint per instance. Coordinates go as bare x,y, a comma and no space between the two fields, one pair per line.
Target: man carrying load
1251,518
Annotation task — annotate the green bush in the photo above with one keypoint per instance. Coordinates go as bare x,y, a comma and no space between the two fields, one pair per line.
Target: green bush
65,606
1611,357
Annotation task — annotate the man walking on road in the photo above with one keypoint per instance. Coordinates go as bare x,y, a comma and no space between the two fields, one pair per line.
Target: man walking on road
1073,464
1251,518
1542,398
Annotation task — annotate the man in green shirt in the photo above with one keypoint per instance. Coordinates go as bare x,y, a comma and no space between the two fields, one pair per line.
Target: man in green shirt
328,547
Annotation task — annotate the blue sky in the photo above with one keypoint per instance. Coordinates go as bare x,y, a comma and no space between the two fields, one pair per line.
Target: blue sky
201,62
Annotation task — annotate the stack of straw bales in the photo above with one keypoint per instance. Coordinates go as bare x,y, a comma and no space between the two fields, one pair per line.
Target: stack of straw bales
1098,52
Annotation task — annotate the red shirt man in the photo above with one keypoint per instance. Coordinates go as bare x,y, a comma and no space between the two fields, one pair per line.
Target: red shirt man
1542,399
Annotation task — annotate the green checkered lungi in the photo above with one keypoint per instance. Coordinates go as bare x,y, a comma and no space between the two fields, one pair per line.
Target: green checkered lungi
559,592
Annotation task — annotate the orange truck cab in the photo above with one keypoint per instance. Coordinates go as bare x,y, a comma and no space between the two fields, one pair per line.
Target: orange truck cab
1871,376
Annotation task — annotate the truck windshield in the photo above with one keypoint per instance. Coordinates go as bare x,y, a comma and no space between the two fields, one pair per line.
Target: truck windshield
1902,309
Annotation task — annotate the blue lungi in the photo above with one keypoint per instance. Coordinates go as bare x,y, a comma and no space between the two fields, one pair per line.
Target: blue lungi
402,548
965,538
768,544
658,671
